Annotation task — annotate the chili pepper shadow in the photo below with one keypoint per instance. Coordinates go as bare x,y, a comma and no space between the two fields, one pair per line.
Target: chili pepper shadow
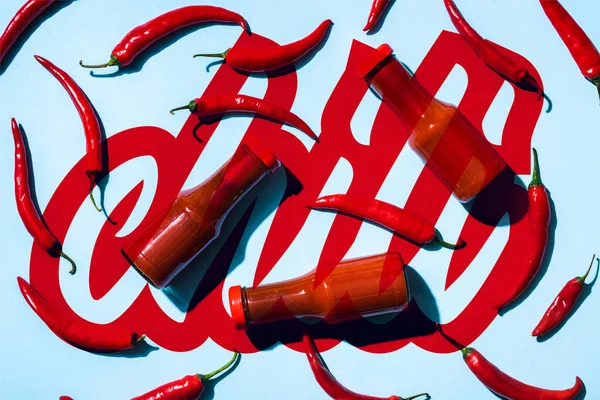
201,277
381,20
16,47
141,349
545,261
157,47
585,292
209,386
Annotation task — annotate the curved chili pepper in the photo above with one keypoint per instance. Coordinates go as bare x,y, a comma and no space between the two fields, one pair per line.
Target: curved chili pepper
22,19
562,304
215,105
578,43
270,58
539,221
189,387
507,386
73,331
27,210
396,219
328,382
499,63
65,398
377,10
91,126
143,36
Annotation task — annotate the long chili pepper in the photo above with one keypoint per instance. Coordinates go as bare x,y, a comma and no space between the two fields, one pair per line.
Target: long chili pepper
499,63
91,126
396,219
74,332
27,210
270,58
328,382
579,44
377,10
189,387
539,221
508,387
22,19
562,304
215,105
143,36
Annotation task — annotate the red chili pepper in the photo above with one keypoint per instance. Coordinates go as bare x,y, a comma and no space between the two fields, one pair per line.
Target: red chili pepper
396,219
65,398
328,382
73,331
91,126
189,387
579,44
377,10
20,22
539,221
143,36
267,59
507,386
215,105
562,304
504,66
27,210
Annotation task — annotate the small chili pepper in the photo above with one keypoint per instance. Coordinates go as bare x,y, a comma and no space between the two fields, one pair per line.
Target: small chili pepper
215,105
27,210
377,10
578,43
504,66
65,398
508,387
396,219
91,126
22,19
189,387
270,58
539,221
143,36
73,331
562,304
328,382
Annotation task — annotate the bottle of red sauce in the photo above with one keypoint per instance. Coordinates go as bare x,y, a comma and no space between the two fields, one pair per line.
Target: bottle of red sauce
456,151
181,230
356,288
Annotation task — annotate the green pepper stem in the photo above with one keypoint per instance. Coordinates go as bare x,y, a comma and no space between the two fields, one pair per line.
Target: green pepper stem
94,202
466,351
218,55
192,105
417,395
73,266
113,61
206,377
536,179
584,277
461,243
140,339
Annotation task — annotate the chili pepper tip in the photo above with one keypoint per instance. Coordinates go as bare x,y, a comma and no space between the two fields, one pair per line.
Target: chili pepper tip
536,179
206,377
192,106
218,55
113,61
94,202
587,273
73,266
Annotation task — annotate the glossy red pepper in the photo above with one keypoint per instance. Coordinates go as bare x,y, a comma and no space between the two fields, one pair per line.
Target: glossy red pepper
562,304
143,36
377,10
72,331
396,219
504,66
189,387
328,382
91,125
579,44
216,105
507,386
27,210
270,58
539,221
22,19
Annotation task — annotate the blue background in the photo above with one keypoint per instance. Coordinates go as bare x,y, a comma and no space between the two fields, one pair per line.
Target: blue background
35,364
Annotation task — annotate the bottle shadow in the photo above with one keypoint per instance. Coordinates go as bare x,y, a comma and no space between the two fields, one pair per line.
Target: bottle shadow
45,15
381,19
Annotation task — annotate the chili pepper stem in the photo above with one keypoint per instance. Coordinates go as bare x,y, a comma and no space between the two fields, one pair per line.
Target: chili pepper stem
73,266
192,106
466,351
206,377
417,395
140,339
461,243
218,55
536,179
94,202
113,61
584,277
597,83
